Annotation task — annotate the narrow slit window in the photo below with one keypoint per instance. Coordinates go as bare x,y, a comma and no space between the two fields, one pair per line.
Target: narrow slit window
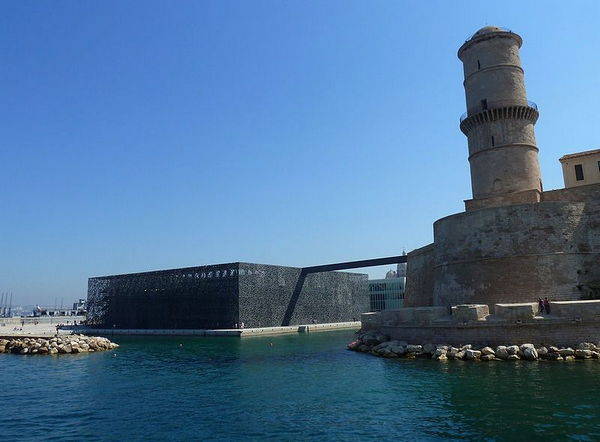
484,104
493,144
578,172
478,65
598,166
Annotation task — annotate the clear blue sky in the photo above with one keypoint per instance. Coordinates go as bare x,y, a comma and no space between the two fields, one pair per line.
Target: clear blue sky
140,135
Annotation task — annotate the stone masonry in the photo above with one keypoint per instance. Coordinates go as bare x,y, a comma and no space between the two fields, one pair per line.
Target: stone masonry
515,243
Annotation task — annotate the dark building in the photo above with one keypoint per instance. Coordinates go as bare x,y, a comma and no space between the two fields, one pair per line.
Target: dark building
223,295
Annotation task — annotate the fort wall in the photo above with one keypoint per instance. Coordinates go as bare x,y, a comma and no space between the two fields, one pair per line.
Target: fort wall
420,277
569,324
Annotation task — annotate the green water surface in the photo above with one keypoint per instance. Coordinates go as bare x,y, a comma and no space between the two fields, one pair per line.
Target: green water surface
297,387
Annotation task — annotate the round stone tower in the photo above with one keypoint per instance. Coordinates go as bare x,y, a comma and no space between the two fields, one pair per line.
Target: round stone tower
499,121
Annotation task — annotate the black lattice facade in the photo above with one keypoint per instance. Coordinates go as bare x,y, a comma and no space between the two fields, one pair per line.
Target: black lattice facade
221,296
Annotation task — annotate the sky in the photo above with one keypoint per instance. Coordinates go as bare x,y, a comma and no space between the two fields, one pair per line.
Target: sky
144,135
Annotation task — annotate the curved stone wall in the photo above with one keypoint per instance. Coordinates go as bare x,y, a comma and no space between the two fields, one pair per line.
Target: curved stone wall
420,277
516,253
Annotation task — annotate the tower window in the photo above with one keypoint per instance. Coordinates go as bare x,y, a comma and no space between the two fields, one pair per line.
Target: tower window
493,141
578,172
598,166
478,65
484,104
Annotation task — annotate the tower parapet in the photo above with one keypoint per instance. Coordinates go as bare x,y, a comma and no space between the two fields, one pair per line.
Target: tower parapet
499,121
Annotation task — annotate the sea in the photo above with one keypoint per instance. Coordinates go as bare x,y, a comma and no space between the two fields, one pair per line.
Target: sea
293,387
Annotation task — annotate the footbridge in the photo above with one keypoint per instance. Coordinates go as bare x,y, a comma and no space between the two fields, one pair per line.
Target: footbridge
330,268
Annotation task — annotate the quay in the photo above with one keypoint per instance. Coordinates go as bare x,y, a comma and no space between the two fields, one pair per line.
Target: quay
40,327
232,332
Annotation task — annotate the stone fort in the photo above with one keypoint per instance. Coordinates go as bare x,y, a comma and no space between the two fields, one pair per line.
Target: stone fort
514,242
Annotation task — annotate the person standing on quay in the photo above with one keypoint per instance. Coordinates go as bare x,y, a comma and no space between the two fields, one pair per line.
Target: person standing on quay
541,306
547,305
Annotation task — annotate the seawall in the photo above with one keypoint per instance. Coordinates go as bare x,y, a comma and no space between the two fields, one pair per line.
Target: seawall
570,323
239,333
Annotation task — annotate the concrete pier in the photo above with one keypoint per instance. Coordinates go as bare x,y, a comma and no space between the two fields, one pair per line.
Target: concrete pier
239,333
41,327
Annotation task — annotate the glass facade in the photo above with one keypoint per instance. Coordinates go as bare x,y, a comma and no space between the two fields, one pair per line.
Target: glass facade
386,294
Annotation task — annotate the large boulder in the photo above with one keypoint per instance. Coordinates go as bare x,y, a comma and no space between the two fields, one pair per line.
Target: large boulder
452,352
566,352
440,354
397,347
429,348
472,354
530,354
583,354
553,356
414,349
488,351
501,352
513,350
587,346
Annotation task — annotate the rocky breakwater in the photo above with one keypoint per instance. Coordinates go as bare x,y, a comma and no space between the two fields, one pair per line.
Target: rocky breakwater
378,344
56,345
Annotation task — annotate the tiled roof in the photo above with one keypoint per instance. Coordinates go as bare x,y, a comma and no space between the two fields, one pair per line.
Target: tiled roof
579,154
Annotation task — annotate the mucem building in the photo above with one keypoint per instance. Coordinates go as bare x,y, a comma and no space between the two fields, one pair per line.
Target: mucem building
224,295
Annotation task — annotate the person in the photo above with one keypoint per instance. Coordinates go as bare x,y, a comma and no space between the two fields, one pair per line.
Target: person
547,305
241,325
541,306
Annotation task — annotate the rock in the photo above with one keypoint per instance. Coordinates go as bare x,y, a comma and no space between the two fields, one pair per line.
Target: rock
587,346
583,354
466,347
414,349
439,354
461,354
524,346
472,354
24,351
554,356
429,348
486,351
352,346
501,352
512,357
542,352
530,354
552,349
369,338
569,358
397,347
451,353
566,352
512,350
595,354
488,357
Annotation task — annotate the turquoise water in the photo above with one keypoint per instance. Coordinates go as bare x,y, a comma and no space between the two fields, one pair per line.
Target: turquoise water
303,387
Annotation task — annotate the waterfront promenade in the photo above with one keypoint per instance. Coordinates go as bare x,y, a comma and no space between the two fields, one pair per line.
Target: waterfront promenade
42,327
232,332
